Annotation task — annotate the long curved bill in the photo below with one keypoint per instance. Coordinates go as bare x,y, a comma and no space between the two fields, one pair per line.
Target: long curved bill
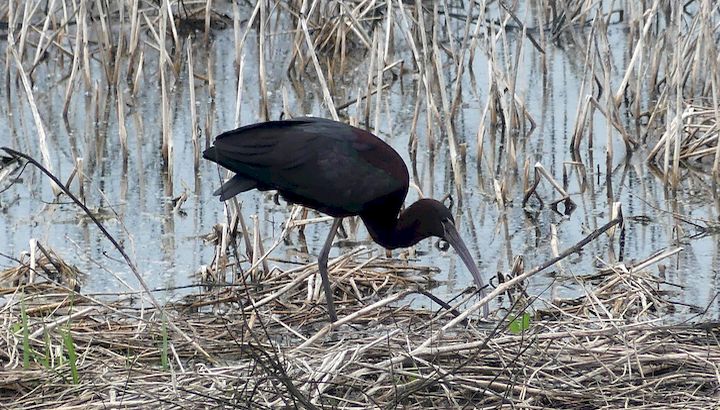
454,239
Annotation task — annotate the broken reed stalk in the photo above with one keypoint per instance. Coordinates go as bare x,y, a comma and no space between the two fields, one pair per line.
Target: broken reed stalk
713,56
173,30
257,252
240,59
673,124
638,51
237,33
107,48
330,105
134,30
389,34
138,73
371,67
193,110
423,64
167,140
42,136
380,65
583,112
515,65
46,25
208,12
73,70
26,24
716,111
122,130
452,143
33,260
460,61
541,169
262,74
85,43
120,47
243,230
603,50
220,261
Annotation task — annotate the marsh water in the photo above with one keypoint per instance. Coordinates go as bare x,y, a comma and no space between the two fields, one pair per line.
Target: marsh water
135,197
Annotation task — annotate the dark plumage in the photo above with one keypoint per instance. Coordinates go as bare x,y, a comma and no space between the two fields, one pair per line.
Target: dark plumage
339,170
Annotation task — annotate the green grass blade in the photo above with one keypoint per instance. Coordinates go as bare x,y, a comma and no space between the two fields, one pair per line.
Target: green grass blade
25,335
72,356
164,348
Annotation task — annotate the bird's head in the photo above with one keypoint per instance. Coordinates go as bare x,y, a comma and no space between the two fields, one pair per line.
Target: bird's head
428,217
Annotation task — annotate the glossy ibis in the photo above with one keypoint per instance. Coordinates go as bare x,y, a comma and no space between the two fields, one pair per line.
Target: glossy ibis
341,171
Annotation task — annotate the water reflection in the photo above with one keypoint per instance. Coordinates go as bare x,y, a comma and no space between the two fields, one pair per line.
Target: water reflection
113,139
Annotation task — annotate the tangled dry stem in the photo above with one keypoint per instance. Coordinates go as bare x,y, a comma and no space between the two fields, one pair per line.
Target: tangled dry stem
609,348
269,344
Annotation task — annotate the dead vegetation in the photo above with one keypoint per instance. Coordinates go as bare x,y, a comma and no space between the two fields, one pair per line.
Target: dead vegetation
610,348
256,337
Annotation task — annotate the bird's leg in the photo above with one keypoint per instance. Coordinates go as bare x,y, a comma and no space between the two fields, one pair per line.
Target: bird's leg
322,267
341,232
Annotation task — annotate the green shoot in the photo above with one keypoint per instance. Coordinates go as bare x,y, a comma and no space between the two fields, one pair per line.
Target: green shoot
25,335
520,324
72,357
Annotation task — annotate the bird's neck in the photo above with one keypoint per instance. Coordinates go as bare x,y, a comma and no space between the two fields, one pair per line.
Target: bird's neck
391,231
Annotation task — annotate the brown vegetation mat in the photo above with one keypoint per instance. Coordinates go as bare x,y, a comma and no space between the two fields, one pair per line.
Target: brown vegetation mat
61,349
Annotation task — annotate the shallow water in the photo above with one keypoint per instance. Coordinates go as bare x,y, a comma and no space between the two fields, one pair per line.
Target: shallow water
167,245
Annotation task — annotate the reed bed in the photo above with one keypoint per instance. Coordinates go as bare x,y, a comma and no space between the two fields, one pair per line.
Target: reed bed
257,336
356,55
610,348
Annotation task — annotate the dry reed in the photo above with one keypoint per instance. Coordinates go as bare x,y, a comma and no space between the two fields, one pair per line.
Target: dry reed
264,340
609,347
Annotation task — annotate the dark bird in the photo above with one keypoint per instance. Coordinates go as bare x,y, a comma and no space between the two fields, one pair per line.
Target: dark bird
338,170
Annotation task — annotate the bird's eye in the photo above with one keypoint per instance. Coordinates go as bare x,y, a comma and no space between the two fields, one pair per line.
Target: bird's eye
442,245
450,202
